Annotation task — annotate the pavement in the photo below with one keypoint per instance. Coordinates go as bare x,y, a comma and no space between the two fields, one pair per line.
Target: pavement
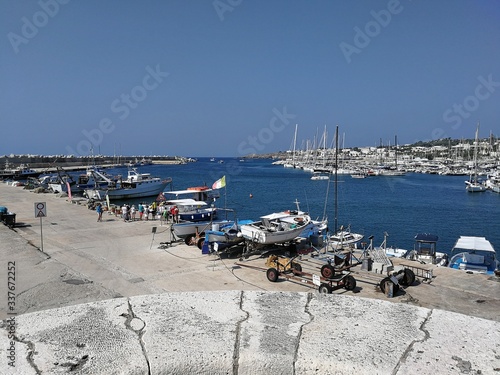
105,298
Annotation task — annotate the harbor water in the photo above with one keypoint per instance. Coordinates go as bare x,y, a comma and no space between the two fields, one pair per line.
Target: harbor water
401,206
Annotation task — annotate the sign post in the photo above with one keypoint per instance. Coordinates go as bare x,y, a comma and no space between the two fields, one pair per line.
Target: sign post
40,211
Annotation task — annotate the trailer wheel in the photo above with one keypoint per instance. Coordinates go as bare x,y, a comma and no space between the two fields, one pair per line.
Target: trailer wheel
189,239
324,288
327,271
382,285
199,243
408,278
297,269
349,282
272,275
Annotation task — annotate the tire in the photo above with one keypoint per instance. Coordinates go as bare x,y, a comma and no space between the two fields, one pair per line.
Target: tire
297,268
272,275
200,242
324,288
327,271
408,278
395,288
349,282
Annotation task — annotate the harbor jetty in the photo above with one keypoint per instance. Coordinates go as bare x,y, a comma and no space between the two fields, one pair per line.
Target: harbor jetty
105,297
50,164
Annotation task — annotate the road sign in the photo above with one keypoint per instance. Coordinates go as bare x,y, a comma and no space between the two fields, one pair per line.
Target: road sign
40,209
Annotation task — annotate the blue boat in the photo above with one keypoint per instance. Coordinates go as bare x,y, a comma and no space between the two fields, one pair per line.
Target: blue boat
474,254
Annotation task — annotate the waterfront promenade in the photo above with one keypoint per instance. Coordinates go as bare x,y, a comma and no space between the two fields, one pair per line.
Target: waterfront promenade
103,298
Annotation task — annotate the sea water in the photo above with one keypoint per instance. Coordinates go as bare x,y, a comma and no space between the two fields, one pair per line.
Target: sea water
400,206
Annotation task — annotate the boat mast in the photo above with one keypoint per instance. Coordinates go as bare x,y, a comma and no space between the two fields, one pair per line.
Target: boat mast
396,151
476,146
336,176
294,143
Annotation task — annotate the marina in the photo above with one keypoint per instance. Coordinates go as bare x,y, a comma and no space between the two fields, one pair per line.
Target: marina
106,271
401,206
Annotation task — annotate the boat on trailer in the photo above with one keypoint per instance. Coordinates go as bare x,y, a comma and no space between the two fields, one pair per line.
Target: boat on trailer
474,254
278,227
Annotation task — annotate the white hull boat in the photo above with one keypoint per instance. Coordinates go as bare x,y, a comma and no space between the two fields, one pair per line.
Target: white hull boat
280,227
474,254
136,185
345,238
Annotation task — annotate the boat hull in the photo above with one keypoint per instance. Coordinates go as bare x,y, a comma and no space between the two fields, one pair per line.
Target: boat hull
185,229
147,190
265,234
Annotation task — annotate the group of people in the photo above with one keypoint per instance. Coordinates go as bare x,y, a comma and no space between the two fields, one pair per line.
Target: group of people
146,212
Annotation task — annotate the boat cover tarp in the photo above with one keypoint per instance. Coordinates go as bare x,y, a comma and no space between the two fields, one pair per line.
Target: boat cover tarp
473,243
426,237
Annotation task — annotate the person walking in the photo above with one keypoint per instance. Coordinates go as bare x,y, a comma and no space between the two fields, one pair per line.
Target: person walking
132,212
98,209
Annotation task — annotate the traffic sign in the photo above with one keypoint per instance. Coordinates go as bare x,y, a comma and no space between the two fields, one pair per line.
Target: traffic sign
40,209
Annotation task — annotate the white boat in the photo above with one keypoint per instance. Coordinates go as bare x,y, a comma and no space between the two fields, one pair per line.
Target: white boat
194,208
425,250
473,185
344,238
320,176
190,229
391,252
474,254
279,227
493,183
358,175
136,185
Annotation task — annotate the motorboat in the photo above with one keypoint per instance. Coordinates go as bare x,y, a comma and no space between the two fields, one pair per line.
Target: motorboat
425,250
195,208
278,227
190,230
344,238
136,185
22,172
222,236
474,254
493,183
320,176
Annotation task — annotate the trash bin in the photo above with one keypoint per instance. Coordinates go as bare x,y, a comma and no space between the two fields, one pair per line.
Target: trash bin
366,264
9,219
3,210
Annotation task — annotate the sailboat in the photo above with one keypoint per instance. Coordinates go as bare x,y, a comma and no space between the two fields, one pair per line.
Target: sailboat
343,237
473,185
292,164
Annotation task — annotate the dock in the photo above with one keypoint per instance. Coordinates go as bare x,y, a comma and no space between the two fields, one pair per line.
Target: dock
102,290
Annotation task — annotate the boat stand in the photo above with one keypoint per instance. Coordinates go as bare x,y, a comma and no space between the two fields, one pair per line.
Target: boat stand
291,270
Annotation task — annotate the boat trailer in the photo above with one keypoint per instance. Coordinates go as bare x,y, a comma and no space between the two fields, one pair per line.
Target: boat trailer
288,268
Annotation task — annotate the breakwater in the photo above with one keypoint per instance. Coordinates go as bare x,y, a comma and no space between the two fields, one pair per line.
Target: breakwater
37,161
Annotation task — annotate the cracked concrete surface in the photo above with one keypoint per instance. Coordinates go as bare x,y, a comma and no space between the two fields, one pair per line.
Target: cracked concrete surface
235,332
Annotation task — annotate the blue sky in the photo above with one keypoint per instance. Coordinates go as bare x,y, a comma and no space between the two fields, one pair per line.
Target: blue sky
232,77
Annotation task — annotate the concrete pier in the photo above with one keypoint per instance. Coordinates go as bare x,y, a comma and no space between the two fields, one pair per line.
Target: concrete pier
104,298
